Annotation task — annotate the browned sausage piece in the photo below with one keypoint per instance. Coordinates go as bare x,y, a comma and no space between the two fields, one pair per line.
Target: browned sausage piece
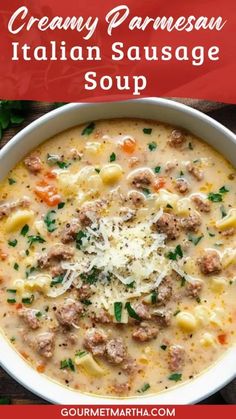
121,389
194,289
191,223
29,317
45,344
90,212
33,164
136,198
70,231
168,224
176,355
102,317
55,254
67,313
142,179
163,317
164,291
210,262
195,172
115,351
145,332
202,205
177,138
95,341
142,311
182,185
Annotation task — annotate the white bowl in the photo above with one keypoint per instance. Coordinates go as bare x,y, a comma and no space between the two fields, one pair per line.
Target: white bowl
73,114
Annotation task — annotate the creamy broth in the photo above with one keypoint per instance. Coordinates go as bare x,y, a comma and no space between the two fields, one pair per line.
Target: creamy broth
117,257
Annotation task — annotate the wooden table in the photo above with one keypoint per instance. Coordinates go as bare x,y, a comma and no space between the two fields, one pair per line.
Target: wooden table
9,387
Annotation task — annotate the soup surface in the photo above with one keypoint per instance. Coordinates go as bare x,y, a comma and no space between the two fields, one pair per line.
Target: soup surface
117,257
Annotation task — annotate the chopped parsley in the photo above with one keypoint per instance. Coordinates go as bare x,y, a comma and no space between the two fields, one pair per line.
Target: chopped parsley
144,388
67,364
57,280
80,235
147,131
24,230
62,164
55,159
12,243
146,191
163,347
97,170
39,314
61,205
169,206
175,377
223,190
157,169
80,354
35,239
112,157
86,302
152,146
11,181
92,277
11,300
118,311
50,221
215,197
11,290
176,312
28,300
132,313
210,233
178,253
16,266
29,271
194,239
154,297
88,129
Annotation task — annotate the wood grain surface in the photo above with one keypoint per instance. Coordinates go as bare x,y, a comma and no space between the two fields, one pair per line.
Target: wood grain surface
225,114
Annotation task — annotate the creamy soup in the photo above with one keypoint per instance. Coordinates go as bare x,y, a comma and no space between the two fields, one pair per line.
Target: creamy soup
117,249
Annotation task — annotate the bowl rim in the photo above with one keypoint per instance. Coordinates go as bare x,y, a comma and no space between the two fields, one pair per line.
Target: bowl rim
190,392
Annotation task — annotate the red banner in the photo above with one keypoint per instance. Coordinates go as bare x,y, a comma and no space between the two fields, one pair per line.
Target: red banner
108,50
112,411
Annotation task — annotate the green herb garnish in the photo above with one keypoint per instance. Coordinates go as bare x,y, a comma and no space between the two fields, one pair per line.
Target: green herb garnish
146,191
152,146
194,239
223,211
132,313
223,190
92,277
57,280
118,311
11,181
112,157
190,146
16,266
88,129
86,302
24,230
147,131
68,364
28,301
35,239
50,221
154,297
144,388
11,300
12,243
178,253
80,354
80,235
215,197
61,205
157,169
175,377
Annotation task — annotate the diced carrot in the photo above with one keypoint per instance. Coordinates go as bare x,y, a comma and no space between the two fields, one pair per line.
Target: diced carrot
3,255
222,339
47,193
128,145
40,368
50,175
18,306
158,183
